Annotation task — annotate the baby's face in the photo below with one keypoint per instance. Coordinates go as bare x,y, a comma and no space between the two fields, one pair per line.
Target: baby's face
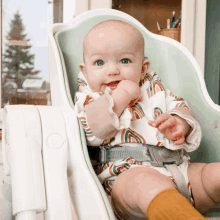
112,54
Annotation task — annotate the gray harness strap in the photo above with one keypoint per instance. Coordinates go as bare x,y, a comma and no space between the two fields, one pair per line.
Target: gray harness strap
157,156
179,180
116,153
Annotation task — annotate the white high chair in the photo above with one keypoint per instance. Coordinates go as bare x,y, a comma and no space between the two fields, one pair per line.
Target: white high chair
45,155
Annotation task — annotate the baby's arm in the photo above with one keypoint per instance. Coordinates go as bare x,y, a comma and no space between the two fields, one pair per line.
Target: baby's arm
99,119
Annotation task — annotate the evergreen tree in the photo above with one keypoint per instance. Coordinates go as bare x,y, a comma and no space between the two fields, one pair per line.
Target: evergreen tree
18,62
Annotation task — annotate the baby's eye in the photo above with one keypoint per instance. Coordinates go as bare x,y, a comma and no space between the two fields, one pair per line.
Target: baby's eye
125,61
99,63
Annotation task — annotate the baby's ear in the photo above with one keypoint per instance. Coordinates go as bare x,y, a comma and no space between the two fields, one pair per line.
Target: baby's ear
145,67
83,68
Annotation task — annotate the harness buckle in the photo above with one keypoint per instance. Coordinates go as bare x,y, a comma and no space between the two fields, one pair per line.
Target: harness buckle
103,156
99,154
161,156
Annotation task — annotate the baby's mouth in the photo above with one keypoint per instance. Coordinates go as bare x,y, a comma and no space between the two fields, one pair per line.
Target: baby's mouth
112,85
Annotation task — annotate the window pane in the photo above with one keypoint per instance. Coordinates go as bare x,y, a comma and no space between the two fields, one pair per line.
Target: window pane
25,70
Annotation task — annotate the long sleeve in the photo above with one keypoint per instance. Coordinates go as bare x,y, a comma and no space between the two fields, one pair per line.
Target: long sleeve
83,98
194,138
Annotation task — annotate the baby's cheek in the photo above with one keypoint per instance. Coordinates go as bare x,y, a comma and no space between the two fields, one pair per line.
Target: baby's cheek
135,77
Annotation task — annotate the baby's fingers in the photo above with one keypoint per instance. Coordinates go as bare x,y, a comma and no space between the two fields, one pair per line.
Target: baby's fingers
151,123
160,119
180,141
178,137
168,124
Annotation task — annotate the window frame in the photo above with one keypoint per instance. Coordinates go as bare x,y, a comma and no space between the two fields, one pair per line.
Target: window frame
57,18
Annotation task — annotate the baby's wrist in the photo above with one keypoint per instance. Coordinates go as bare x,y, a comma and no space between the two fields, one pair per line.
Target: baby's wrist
124,93
130,88
189,131
121,100
187,127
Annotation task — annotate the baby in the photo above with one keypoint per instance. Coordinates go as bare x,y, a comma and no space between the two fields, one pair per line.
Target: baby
120,102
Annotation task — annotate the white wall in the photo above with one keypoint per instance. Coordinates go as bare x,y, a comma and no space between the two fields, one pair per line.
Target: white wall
85,5
100,4
193,29
81,6
200,30
69,8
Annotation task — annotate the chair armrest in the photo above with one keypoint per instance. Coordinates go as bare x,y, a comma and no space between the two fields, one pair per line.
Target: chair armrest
22,158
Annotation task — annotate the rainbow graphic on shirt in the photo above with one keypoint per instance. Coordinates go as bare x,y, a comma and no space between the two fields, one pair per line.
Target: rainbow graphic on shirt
130,136
157,112
155,74
106,165
159,144
115,169
136,111
177,98
182,104
87,100
155,87
81,82
86,127
130,160
147,77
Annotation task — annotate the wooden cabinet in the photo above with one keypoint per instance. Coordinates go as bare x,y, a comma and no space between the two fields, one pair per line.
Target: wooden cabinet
148,12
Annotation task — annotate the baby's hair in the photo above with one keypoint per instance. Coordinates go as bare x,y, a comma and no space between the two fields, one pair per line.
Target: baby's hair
113,23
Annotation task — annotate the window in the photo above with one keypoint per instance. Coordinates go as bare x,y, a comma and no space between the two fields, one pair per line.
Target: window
25,70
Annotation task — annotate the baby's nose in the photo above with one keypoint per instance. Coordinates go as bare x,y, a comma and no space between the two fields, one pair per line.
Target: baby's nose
113,70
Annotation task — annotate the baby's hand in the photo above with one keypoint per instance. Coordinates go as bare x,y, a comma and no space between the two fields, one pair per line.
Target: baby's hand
132,89
172,127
